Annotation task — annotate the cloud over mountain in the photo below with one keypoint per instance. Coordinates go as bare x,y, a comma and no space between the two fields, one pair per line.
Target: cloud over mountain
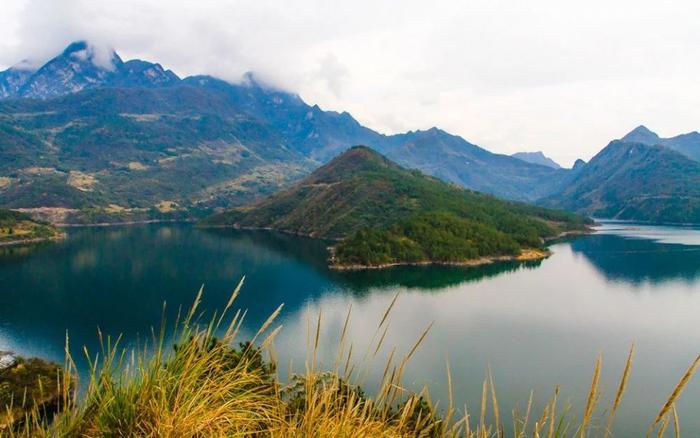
510,74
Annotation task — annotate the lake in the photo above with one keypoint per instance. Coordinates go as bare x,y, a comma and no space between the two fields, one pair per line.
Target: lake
535,324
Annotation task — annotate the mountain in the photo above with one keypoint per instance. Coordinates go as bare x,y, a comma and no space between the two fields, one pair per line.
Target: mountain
536,158
634,181
99,139
321,135
686,144
578,164
314,133
12,79
81,67
386,214
18,228
113,154
642,134
451,158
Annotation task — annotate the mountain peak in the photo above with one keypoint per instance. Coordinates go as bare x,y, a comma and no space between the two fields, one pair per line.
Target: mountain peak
101,56
355,159
642,134
361,153
75,46
83,65
537,157
433,131
578,164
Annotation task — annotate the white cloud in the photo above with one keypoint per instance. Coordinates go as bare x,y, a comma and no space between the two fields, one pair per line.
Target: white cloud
508,75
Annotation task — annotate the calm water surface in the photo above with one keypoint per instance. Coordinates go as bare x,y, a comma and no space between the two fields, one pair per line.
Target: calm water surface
535,324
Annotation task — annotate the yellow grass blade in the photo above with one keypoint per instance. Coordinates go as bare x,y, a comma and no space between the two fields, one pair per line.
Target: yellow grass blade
592,397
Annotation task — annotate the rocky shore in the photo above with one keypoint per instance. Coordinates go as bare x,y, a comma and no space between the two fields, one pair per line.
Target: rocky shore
525,255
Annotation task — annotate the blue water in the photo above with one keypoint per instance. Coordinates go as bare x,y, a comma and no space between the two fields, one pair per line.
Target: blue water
535,324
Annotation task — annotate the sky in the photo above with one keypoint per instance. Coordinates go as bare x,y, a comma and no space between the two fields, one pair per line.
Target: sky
559,76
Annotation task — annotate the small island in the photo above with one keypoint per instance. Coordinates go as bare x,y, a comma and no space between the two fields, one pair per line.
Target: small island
18,228
379,214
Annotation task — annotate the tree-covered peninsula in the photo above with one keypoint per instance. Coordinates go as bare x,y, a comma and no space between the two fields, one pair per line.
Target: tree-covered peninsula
381,214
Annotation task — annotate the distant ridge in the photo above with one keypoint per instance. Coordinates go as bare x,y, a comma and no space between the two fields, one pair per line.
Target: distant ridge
537,158
634,181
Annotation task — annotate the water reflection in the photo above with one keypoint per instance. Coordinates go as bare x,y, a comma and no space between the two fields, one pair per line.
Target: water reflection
426,278
313,253
535,324
18,253
621,255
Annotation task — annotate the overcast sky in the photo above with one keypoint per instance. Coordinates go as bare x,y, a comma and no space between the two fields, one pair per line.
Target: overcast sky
553,75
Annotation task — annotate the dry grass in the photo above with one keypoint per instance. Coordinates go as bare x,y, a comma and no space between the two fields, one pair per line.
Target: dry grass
135,165
167,206
592,397
620,391
208,387
81,181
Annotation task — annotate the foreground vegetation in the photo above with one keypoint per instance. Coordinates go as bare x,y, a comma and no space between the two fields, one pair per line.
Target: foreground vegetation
386,214
208,386
16,227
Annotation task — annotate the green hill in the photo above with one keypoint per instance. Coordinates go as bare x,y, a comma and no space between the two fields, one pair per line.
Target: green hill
384,214
634,181
17,228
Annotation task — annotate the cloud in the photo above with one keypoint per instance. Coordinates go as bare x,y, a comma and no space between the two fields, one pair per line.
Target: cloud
543,74
333,73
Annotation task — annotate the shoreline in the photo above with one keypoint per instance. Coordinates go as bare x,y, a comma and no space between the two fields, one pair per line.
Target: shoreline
569,234
525,256
61,236
116,224
276,230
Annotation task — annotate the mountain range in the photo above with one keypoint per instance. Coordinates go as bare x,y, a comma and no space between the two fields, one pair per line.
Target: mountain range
103,139
634,181
88,137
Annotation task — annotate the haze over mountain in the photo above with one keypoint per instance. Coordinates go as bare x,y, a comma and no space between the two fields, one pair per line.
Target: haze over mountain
81,67
102,137
537,158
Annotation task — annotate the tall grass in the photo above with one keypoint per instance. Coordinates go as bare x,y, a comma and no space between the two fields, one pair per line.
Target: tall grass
210,384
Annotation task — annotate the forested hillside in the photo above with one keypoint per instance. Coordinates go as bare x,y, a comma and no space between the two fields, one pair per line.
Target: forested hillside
383,214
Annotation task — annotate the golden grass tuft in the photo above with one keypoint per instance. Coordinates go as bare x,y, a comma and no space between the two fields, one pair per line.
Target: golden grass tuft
209,387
